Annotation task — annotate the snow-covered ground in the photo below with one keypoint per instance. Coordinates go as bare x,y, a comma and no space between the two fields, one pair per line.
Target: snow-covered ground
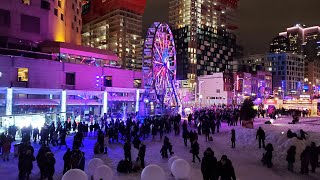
245,157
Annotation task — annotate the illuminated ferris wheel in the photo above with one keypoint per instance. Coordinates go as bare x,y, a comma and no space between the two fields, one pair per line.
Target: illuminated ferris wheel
159,65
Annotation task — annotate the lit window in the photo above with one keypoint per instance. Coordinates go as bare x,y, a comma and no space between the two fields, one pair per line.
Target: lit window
137,83
23,74
27,2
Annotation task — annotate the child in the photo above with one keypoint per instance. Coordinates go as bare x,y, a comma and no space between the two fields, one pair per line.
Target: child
233,138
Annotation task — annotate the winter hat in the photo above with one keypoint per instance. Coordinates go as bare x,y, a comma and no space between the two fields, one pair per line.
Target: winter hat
224,157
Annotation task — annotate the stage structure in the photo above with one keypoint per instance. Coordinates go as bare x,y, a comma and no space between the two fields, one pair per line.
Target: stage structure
159,69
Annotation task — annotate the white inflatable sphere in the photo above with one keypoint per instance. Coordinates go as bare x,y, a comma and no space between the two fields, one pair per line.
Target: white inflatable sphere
180,169
171,160
103,173
75,174
153,172
93,164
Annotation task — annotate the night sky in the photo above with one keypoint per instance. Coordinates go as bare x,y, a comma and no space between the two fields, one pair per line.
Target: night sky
258,20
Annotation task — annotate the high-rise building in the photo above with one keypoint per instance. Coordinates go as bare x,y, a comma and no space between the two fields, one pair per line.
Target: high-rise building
255,62
298,39
203,36
287,72
279,44
304,41
25,23
115,25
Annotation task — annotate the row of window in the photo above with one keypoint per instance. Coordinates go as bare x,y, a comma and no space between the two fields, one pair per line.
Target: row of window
23,76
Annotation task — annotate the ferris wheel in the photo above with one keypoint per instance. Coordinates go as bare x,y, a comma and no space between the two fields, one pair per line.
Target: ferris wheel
159,65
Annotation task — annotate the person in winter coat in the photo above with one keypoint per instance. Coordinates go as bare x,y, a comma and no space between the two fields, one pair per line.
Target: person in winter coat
50,162
305,160
192,137
67,161
136,142
302,135
6,146
82,162
225,169
101,140
195,151
167,144
290,134
164,152
209,165
127,151
41,160
291,154
185,135
314,157
26,165
233,138
35,134
141,154
261,135
267,157
62,139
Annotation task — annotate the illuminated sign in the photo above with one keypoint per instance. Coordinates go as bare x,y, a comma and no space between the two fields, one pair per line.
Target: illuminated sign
305,96
270,101
300,101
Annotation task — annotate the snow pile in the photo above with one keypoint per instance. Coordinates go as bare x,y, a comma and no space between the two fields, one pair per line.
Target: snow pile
277,136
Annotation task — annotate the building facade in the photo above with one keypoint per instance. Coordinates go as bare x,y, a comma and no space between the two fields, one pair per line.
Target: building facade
29,22
70,82
115,25
253,63
215,89
203,36
287,72
298,39
305,41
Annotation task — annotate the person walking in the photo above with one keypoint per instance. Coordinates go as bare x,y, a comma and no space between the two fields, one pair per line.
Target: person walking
67,161
127,150
267,158
185,135
209,165
261,135
233,138
291,153
305,160
314,157
62,139
26,165
225,169
168,145
35,134
195,151
50,162
141,154
6,146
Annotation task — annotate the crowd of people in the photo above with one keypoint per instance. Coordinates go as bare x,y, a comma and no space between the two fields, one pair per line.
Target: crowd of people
203,122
